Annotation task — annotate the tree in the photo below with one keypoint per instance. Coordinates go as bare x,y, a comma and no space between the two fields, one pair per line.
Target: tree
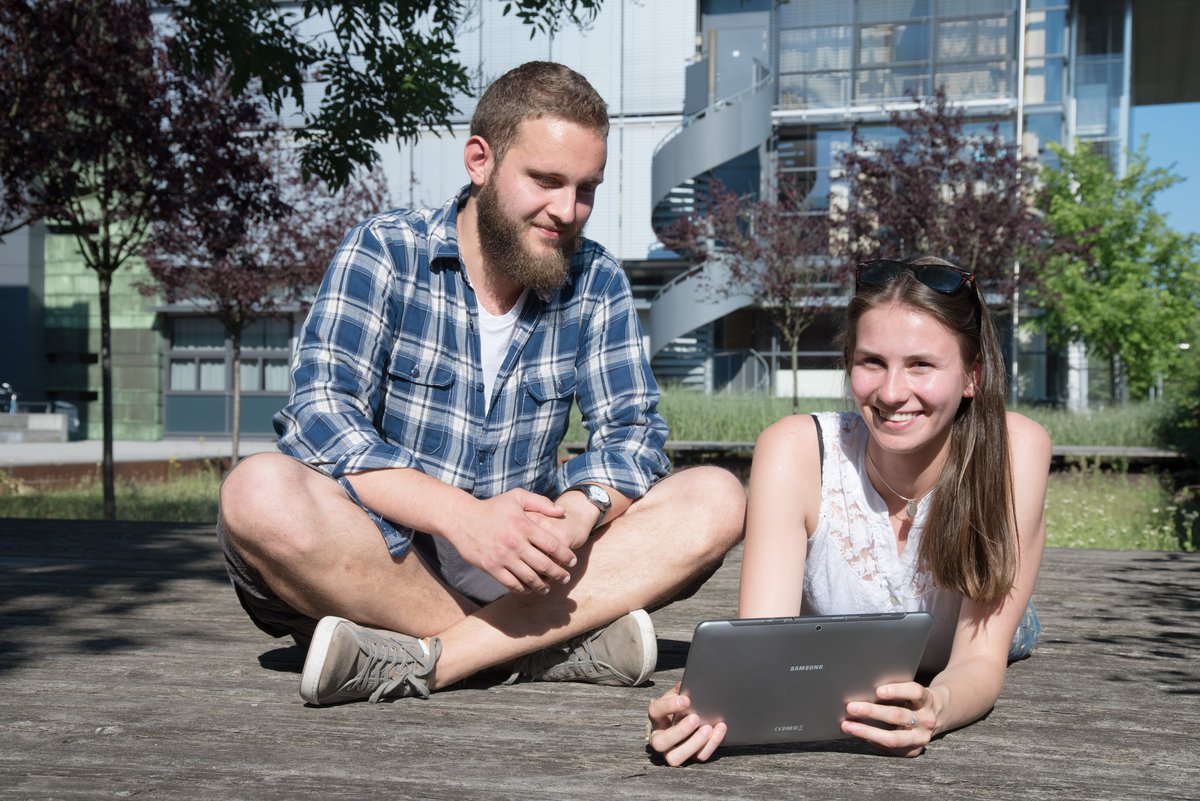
942,191
255,242
771,250
1119,279
83,140
390,67
228,193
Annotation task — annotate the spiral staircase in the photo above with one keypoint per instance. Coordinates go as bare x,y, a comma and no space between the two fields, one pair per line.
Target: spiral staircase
682,311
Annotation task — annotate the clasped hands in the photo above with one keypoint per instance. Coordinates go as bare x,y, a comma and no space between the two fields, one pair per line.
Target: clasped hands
525,541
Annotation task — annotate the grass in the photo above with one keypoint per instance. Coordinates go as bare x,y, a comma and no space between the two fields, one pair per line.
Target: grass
1132,425
1086,507
728,417
183,498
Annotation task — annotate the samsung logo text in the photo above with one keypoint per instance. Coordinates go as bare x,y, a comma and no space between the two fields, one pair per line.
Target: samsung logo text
799,668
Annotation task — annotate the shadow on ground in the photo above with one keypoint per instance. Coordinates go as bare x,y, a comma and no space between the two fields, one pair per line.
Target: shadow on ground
59,577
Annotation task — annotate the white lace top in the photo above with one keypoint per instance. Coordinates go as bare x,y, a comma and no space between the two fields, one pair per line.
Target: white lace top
852,566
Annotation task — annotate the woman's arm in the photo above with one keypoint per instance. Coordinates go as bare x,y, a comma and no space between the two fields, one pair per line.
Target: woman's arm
784,506
971,682
783,509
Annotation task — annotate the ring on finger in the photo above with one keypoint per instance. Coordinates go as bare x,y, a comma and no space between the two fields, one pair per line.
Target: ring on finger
912,722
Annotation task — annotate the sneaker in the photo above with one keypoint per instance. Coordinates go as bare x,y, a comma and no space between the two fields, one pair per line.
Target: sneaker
349,662
622,654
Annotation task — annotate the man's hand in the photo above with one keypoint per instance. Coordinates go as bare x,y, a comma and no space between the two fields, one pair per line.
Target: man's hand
575,525
511,539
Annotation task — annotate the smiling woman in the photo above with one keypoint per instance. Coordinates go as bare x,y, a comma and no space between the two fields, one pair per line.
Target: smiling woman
928,497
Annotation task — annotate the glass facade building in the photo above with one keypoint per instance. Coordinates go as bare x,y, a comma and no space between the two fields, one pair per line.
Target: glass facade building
1037,71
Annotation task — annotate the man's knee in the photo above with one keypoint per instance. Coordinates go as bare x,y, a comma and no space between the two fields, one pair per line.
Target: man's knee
245,491
711,500
257,499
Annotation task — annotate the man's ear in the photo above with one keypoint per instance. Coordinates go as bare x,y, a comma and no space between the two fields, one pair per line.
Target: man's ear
479,159
973,376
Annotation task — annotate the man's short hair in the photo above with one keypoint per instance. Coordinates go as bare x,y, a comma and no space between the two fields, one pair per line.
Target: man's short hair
536,89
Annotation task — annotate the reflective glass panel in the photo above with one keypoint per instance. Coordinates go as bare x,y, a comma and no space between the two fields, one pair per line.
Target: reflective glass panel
250,376
197,333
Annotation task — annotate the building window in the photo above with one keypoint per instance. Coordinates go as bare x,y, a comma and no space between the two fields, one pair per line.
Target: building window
887,44
883,50
200,357
198,400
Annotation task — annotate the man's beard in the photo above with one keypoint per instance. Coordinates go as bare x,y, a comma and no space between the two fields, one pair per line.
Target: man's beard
501,240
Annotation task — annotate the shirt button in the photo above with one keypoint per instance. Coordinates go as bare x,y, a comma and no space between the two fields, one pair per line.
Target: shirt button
479,386
415,372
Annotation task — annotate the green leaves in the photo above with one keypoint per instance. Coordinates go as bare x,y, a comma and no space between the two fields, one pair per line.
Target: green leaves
390,67
1118,278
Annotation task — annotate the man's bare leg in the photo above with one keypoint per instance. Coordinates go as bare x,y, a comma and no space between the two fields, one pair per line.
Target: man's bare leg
320,553
668,539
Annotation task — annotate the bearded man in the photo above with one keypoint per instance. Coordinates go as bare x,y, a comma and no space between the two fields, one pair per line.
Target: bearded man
418,526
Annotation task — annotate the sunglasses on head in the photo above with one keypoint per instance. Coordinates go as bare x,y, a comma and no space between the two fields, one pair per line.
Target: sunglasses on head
938,277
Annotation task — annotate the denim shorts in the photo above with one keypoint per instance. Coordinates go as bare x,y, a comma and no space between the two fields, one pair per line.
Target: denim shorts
1027,635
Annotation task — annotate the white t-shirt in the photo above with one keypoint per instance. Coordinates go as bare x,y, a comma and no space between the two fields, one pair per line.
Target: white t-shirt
495,335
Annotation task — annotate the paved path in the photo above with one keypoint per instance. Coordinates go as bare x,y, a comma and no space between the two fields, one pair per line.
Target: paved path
90,451
127,670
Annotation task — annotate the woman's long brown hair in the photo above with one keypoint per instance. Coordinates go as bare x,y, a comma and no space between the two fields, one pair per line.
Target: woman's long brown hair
969,539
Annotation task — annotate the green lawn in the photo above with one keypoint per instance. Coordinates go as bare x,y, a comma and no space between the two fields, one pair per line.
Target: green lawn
1085,507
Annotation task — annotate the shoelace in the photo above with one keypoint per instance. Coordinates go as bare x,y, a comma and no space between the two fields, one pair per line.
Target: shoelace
384,656
536,664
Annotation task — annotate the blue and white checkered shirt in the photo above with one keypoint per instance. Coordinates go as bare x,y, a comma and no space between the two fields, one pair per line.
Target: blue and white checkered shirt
387,372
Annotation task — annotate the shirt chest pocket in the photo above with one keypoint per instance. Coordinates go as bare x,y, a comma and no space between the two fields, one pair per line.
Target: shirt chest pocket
418,409
544,412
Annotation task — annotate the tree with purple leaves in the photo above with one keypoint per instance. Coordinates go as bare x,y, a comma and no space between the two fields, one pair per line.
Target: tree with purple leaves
772,250
252,238
85,144
941,189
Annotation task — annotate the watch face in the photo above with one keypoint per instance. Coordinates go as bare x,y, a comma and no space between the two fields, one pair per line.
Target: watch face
598,494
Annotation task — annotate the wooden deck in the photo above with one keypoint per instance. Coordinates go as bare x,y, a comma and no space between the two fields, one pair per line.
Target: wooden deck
128,670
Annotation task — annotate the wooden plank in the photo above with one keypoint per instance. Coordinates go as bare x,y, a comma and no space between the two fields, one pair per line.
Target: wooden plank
128,670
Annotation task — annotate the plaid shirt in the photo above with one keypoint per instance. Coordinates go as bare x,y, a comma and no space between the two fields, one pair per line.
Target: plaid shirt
387,372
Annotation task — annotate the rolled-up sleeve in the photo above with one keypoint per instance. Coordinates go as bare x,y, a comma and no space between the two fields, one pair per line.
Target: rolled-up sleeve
617,396
340,364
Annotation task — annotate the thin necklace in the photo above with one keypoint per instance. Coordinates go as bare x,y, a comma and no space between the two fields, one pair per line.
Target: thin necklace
910,504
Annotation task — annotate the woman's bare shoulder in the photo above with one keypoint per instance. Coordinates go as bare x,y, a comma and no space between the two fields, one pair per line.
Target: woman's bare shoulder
793,431
1027,438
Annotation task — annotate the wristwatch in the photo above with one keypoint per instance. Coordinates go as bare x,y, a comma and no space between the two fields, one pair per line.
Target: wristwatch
598,497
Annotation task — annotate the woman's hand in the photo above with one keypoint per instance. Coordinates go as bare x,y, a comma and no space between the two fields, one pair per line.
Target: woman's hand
901,721
678,734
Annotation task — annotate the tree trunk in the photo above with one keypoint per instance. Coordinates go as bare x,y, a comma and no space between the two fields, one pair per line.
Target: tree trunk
237,397
106,403
796,375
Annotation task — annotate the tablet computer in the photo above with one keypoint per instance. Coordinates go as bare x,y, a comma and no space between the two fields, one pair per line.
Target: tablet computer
789,679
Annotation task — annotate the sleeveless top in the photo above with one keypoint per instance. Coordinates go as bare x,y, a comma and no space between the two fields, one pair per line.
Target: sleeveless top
852,566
